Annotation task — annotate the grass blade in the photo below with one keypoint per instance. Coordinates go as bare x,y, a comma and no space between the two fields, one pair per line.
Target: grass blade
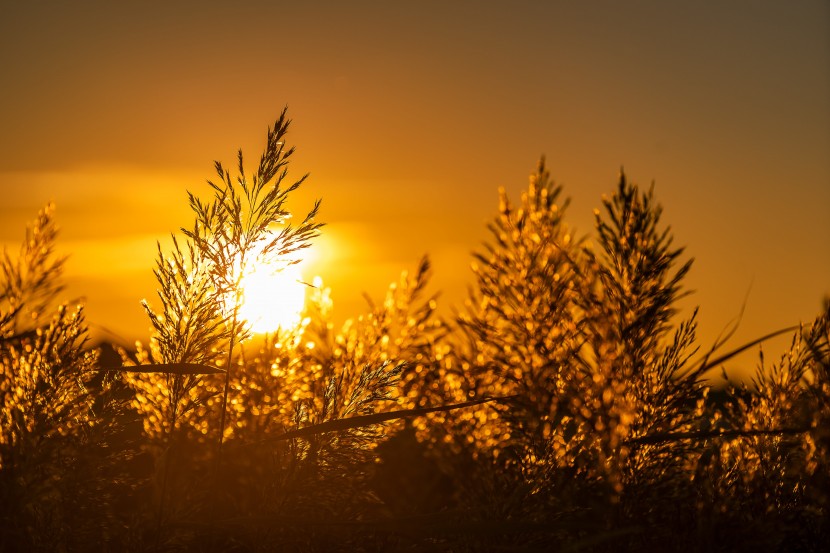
377,418
169,368
679,436
706,364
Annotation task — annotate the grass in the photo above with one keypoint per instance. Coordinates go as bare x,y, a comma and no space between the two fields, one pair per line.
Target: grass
567,408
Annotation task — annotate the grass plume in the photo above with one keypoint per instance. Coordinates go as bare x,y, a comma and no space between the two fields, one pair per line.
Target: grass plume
564,407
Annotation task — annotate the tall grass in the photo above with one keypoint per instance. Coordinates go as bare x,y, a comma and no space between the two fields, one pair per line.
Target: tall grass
59,481
568,406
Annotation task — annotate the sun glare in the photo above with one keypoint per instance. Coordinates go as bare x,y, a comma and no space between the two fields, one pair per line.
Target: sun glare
272,297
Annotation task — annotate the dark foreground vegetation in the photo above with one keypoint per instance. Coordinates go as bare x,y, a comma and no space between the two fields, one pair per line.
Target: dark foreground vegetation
566,408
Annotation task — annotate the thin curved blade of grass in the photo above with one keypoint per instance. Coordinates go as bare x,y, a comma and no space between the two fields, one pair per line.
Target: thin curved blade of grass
377,418
679,436
169,368
706,364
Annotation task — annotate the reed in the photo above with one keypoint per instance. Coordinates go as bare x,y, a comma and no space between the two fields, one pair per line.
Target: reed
568,406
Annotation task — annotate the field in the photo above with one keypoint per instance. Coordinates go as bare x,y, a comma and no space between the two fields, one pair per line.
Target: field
568,407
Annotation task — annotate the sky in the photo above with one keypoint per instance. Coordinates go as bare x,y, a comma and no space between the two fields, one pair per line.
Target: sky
409,117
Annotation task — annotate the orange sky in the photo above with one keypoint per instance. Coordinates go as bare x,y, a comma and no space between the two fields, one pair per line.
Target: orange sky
409,118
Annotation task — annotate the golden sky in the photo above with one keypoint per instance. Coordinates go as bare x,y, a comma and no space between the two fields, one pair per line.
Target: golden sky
409,116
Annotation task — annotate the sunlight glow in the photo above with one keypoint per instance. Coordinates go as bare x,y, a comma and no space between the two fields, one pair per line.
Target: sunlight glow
272,297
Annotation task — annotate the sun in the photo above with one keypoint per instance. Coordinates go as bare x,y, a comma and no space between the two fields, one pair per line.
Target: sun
272,297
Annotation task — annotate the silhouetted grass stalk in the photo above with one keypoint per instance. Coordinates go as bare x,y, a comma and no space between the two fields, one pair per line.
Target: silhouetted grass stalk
228,375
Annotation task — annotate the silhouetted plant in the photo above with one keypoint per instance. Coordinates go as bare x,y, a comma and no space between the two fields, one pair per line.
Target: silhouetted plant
312,378
566,408
31,280
769,475
245,223
581,343
238,229
56,412
198,327
519,338
521,327
629,314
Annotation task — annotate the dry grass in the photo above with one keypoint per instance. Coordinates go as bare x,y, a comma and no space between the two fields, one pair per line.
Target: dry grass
383,435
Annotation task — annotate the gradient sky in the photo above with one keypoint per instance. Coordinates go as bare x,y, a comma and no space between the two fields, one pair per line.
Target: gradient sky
409,116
